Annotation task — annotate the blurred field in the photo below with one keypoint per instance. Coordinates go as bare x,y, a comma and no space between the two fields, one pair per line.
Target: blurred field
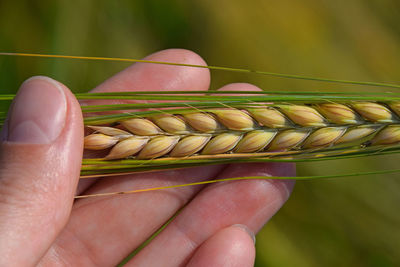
337,222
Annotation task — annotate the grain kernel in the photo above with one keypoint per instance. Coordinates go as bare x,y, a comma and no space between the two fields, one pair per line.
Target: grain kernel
235,119
254,141
202,122
189,145
303,115
111,131
99,141
355,134
388,136
171,124
269,117
141,126
221,143
338,113
373,112
158,146
127,147
287,139
323,137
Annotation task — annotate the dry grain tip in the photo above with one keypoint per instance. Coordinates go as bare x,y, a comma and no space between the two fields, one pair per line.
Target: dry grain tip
395,106
111,131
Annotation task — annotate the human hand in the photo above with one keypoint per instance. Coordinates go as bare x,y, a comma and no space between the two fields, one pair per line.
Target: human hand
40,160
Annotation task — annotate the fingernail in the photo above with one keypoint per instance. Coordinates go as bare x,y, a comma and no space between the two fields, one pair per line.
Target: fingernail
247,230
37,114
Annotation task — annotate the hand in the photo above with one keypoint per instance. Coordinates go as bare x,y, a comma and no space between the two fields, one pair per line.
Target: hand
40,161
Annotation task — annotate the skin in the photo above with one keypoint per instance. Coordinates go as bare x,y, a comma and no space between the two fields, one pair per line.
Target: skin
41,224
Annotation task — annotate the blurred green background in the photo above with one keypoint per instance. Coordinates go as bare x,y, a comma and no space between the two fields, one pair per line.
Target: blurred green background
338,222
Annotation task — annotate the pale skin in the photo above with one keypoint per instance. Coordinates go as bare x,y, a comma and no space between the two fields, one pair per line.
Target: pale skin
41,151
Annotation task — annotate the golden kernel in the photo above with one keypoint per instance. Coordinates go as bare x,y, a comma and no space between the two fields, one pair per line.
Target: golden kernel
202,122
235,119
221,143
324,137
338,113
254,141
171,124
158,146
388,136
141,126
189,145
356,134
288,139
127,147
303,115
269,117
373,112
111,131
99,141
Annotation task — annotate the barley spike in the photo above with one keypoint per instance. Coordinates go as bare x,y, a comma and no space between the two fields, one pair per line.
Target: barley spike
283,127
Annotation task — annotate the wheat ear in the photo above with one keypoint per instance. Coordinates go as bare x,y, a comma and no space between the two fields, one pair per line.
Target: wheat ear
283,127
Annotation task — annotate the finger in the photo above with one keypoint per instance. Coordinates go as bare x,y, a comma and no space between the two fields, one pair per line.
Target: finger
239,87
231,246
251,203
40,163
156,77
123,223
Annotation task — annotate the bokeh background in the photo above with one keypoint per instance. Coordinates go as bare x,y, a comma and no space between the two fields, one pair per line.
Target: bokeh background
337,222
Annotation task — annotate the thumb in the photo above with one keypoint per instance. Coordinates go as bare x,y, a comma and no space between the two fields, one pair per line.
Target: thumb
40,160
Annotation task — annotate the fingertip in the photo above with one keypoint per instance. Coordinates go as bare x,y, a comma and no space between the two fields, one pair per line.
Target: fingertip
267,169
247,230
193,78
231,246
262,169
73,106
240,87
184,56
